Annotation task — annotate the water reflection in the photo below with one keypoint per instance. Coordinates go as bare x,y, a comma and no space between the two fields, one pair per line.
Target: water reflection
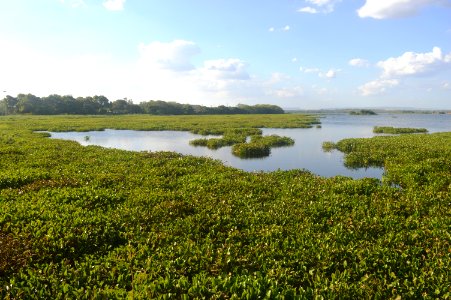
305,154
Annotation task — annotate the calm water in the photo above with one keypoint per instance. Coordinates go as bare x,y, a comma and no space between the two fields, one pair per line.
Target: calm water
305,154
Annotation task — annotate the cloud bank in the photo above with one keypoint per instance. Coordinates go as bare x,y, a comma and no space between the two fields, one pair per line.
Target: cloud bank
161,70
386,9
409,64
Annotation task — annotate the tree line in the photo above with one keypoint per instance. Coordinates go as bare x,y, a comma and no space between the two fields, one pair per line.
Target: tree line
100,105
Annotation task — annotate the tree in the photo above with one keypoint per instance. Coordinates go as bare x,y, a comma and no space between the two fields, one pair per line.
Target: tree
125,106
28,104
9,105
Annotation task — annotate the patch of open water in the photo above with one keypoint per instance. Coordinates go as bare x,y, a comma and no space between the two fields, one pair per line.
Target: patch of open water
306,154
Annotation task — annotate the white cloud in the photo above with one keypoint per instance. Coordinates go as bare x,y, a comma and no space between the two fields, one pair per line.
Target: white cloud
447,58
411,63
377,86
162,71
319,6
359,62
115,5
320,2
309,70
285,28
294,60
330,74
308,9
226,69
384,9
175,55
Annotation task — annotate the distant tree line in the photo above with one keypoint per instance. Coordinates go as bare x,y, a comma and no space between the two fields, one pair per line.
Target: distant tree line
100,105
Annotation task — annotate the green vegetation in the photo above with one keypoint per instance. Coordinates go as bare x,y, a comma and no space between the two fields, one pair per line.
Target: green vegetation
260,146
397,130
409,160
93,223
230,137
100,105
328,146
362,112
272,140
205,125
251,150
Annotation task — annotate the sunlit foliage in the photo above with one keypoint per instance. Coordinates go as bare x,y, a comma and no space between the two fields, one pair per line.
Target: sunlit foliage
93,223
397,130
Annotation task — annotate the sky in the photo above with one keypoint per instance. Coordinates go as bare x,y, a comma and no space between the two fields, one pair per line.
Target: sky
298,54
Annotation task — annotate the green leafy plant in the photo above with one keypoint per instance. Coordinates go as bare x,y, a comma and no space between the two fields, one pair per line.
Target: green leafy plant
89,222
397,130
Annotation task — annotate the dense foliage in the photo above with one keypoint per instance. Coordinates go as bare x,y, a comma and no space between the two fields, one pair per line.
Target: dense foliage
88,222
363,112
397,130
100,105
260,146
251,150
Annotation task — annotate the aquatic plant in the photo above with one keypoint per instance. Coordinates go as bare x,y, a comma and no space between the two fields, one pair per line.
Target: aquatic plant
251,150
328,146
90,222
397,130
272,140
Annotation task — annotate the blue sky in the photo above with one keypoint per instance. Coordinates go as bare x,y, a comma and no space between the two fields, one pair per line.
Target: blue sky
304,54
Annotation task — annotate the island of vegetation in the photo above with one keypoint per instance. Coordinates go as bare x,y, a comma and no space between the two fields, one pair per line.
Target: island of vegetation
362,112
95,223
259,146
398,130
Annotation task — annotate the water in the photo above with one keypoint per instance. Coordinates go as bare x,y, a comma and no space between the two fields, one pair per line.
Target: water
305,154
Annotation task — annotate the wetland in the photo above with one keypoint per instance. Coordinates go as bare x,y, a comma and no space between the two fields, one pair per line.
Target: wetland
91,222
305,153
